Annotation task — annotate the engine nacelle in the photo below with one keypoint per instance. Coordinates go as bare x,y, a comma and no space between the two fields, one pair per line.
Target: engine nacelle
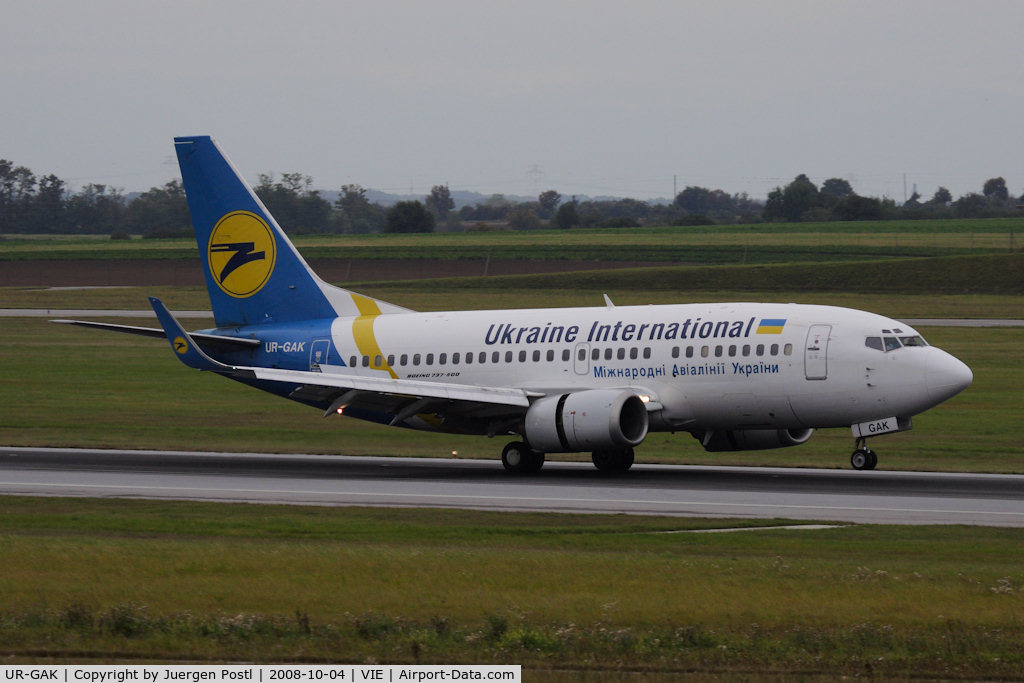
599,419
752,439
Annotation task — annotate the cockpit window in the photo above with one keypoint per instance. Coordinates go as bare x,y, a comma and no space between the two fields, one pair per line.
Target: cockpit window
887,343
916,340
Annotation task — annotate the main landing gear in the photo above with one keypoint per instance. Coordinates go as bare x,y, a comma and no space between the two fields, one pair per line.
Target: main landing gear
613,461
863,458
521,459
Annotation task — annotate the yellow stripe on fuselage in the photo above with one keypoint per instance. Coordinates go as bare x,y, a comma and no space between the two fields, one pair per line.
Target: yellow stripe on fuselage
362,332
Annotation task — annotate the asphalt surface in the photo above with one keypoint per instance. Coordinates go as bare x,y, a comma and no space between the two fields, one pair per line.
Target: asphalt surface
800,494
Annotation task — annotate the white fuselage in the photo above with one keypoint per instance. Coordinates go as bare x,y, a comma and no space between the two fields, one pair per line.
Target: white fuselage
709,366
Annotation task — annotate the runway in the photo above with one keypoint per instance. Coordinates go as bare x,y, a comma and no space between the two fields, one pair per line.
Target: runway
800,494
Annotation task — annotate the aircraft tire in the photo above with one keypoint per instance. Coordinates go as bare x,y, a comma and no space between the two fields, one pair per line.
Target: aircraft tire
872,460
519,458
861,459
613,461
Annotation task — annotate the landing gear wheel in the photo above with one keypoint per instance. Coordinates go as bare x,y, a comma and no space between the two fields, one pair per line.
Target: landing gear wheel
519,458
864,459
613,461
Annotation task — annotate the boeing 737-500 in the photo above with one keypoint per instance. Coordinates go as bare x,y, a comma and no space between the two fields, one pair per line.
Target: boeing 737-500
736,376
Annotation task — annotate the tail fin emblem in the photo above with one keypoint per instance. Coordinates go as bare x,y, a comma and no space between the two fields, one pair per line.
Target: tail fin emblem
241,253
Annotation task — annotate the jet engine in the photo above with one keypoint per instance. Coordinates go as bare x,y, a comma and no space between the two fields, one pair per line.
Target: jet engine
598,419
751,439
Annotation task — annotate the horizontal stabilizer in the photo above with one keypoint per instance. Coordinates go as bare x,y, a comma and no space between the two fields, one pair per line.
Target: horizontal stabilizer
184,346
157,333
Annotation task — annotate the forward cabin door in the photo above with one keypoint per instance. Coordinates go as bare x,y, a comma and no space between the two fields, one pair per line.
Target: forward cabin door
816,352
581,359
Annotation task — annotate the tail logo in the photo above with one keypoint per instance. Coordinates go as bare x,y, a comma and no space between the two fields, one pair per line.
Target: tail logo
241,254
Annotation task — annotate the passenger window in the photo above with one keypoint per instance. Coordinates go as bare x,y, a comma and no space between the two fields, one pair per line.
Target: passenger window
565,354
404,360
718,351
775,349
647,352
787,350
595,354
469,358
732,350
391,360
455,358
366,361
352,362
633,353
496,357
442,359
378,361
675,352
891,343
508,357
522,356
760,349
704,351
430,359
551,355
689,352
416,359
482,358
746,350
621,353
582,355
536,356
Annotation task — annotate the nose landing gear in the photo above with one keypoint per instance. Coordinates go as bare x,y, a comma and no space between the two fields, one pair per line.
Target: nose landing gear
863,458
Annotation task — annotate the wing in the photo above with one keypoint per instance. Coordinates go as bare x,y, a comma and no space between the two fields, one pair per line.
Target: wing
464,407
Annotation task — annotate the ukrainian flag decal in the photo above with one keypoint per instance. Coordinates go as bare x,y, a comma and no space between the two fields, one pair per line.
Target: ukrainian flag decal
771,325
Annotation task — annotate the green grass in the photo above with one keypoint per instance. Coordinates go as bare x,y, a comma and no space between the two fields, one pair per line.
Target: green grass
222,582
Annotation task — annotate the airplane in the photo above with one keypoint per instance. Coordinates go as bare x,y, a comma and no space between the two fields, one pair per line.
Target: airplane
735,376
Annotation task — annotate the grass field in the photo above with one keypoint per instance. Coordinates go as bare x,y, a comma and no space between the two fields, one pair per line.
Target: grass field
758,243
128,579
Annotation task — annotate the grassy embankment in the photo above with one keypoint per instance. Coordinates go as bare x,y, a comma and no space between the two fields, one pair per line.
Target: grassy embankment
112,580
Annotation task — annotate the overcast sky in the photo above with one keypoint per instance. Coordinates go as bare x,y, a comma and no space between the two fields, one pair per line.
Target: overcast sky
516,97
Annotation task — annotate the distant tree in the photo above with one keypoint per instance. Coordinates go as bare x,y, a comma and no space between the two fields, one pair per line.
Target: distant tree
548,201
294,203
49,212
355,214
440,201
410,216
793,201
995,190
837,187
971,205
159,212
96,209
857,208
523,217
942,197
567,217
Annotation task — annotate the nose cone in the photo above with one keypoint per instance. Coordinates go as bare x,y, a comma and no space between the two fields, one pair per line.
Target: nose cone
946,376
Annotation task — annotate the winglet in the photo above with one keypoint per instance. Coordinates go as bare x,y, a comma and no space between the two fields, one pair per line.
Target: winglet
185,348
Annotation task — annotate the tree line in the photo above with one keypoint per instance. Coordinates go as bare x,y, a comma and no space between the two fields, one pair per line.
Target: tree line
44,205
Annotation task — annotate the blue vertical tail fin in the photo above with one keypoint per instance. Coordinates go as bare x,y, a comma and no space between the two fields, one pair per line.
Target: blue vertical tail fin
254,275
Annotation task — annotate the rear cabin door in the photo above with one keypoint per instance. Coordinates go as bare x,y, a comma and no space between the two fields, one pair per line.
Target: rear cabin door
816,352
